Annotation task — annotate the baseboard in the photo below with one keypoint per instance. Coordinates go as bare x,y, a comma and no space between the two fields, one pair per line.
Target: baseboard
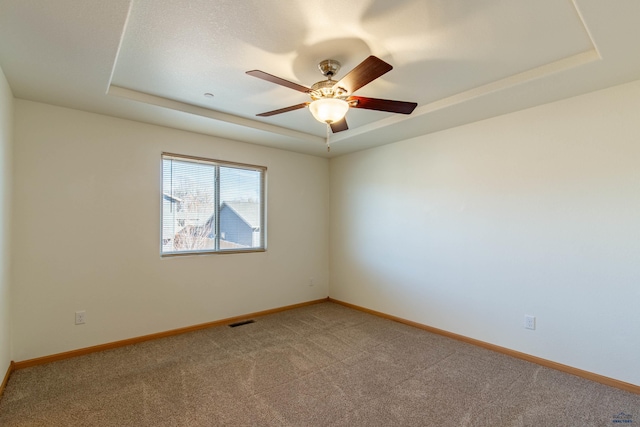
6,377
534,359
108,346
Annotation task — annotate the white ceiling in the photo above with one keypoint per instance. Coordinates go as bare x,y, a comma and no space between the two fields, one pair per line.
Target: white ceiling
460,60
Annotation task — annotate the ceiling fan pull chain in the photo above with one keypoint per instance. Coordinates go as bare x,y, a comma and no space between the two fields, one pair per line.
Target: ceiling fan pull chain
328,133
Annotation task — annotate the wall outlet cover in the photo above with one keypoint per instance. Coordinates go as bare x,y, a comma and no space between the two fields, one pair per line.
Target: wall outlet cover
529,321
80,317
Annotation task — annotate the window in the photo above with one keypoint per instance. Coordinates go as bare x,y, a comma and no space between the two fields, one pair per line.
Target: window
211,206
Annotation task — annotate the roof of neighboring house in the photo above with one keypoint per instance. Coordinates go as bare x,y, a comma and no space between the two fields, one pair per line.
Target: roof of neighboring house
248,211
171,198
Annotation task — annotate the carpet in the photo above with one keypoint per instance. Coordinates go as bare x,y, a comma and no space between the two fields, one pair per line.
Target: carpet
320,365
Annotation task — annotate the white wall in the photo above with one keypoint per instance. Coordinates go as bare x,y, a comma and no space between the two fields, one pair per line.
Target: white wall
469,229
87,223
6,135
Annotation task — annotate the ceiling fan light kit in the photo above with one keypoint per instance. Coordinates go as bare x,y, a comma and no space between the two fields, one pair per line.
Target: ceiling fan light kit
331,100
329,110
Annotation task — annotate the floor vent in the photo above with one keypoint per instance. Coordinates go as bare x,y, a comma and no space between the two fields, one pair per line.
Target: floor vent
244,322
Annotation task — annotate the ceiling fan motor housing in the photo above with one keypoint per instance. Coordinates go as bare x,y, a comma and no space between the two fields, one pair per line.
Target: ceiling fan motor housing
325,89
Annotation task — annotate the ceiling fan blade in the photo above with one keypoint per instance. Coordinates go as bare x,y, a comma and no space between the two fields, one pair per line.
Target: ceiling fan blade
339,126
382,104
277,80
283,110
364,73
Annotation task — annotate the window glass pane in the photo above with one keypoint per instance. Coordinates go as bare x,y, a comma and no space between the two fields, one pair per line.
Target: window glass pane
240,208
188,206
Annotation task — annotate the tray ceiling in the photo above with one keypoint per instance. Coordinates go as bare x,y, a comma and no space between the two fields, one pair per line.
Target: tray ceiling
153,61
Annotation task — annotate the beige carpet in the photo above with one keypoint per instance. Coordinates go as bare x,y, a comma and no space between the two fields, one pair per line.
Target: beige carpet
322,365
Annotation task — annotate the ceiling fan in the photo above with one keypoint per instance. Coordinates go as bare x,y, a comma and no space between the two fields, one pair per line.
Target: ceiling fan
330,100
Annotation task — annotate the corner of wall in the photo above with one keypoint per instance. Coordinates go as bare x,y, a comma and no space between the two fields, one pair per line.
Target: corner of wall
6,142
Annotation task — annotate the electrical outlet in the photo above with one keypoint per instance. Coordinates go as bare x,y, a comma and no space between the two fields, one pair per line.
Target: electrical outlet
529,321
80,317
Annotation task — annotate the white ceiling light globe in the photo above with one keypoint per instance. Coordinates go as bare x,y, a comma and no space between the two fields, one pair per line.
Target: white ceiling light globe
329,110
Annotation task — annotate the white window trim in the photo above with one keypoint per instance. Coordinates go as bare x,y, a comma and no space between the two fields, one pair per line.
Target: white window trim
223,163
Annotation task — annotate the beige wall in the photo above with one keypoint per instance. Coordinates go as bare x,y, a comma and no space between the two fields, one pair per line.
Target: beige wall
87,223
469,229
6,126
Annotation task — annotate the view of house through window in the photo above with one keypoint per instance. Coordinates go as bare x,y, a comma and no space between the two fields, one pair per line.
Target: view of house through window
211,206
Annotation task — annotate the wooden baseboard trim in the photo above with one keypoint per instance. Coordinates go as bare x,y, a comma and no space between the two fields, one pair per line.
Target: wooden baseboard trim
10,369
534,359
108,346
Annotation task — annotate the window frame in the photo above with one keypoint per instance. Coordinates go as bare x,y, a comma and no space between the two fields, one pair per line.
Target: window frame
216,163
